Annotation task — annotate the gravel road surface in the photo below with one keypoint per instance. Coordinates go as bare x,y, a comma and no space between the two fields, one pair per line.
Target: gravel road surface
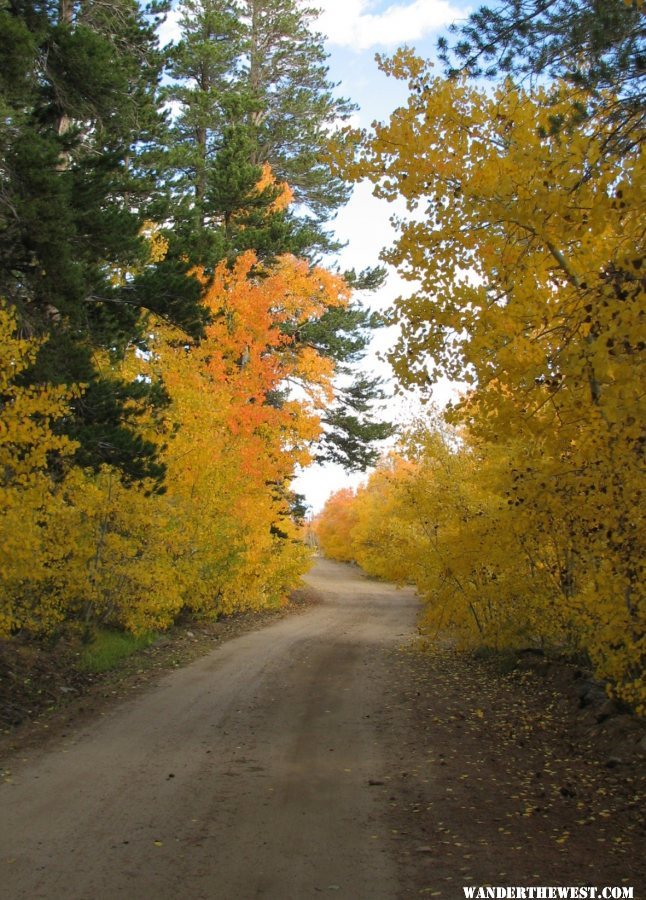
256,771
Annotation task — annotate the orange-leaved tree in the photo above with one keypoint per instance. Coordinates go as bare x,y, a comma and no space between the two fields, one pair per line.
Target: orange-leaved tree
245,411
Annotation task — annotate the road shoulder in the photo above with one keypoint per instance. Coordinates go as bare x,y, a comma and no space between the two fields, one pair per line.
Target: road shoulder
60,698
499,779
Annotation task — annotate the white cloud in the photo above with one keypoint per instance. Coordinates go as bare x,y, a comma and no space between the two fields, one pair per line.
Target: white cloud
169,31
364,223
349,23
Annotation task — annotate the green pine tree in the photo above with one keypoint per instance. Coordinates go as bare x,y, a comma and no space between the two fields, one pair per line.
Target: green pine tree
78,85
596,45
249,87
294,106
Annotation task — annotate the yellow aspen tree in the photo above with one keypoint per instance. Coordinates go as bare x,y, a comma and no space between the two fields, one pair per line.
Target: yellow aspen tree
525,241
29,445
334,526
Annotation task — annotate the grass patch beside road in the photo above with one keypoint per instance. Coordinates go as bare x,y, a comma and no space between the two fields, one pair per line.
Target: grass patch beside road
109,647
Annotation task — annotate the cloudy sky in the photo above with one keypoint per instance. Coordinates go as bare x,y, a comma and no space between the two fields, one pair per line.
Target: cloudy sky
355,31
372,24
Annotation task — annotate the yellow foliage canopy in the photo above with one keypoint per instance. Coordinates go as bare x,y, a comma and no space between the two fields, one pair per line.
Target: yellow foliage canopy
85,548
525,239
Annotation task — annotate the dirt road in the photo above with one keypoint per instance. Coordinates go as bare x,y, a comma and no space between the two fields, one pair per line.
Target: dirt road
322,756
257,771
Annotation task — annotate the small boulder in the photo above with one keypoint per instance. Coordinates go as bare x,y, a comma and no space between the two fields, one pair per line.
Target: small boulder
591,693
607,710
